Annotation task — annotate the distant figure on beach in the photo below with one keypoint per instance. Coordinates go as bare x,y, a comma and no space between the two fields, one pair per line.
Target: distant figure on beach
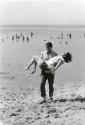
66,42
58,37
12,37
48,63
51,37
31,34
27,38
84,34
61,35
69,35
23,38
21,34
2,40
44,40
16,36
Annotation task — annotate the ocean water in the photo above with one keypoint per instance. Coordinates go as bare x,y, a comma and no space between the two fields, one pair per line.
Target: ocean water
16,52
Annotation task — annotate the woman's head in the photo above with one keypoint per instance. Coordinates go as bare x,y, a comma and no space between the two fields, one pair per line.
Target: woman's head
67,57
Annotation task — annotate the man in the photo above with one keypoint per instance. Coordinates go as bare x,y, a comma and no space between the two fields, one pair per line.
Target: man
46,55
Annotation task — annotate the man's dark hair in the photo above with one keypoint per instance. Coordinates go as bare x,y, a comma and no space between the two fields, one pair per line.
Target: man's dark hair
49,44
67,57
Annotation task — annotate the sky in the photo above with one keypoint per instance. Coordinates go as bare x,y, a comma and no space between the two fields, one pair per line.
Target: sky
42,12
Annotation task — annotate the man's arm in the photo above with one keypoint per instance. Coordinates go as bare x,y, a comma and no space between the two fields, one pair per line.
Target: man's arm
41,56
60,62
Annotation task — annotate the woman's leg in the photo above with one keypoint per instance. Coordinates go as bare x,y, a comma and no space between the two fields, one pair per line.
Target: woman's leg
34,61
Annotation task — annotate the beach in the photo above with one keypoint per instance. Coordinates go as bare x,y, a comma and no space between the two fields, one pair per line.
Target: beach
20,91
19,106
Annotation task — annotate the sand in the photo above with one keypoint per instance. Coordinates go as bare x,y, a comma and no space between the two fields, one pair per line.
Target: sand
20,106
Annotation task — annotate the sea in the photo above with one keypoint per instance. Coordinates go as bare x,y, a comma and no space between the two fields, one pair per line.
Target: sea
19,43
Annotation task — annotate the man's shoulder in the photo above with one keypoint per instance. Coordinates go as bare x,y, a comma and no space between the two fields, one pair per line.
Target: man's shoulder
54,53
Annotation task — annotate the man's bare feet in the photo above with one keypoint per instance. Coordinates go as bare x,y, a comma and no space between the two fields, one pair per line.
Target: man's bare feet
43,100
50,99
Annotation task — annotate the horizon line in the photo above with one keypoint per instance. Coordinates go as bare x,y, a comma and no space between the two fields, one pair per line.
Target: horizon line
34,25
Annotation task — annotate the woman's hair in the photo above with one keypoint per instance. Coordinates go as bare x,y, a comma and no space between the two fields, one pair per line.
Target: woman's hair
67,57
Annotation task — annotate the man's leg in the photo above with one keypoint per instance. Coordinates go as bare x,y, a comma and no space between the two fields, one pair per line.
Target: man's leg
42,88
51,81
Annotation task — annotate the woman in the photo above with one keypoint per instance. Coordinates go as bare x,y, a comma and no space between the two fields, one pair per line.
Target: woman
51,64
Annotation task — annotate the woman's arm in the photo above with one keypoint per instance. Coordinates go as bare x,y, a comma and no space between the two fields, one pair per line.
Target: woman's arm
60,62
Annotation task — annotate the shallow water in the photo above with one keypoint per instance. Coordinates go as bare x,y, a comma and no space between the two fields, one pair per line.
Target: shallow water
16,54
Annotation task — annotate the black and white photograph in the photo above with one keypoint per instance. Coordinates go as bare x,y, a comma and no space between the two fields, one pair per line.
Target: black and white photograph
42,62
